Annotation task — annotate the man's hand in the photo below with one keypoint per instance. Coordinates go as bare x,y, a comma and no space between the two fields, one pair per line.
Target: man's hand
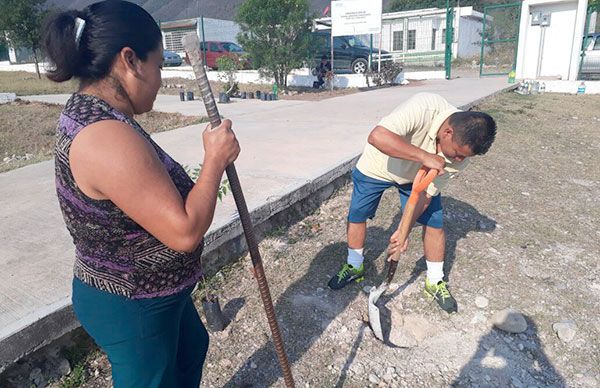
396,244
434,161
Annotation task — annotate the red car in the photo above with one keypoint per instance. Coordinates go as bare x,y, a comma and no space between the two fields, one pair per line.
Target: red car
216,49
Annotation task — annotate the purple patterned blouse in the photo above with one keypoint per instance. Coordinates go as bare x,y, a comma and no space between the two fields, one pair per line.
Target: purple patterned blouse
112,252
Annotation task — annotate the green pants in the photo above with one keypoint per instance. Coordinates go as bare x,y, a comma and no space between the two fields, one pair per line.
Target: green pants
156,342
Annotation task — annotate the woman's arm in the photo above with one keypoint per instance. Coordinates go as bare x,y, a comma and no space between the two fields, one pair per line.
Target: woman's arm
110,160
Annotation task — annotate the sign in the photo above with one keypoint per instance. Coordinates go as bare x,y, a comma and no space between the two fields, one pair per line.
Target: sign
355,17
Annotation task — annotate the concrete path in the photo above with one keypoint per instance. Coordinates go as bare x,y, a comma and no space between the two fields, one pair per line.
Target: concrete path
284,145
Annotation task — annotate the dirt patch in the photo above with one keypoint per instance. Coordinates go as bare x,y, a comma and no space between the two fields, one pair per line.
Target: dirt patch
522,232
174,85
27,130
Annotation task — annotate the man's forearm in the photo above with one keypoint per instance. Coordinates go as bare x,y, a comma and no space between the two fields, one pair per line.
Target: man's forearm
395,145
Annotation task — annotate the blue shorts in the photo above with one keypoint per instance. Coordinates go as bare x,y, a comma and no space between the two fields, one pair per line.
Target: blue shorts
367,194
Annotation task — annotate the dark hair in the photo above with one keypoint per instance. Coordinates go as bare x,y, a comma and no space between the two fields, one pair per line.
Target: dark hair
324,57
475,129
109,26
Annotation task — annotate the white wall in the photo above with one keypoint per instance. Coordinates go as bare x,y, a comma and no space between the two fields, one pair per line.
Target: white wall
558,55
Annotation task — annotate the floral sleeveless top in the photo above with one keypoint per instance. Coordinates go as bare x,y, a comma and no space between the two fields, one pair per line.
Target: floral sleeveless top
112,252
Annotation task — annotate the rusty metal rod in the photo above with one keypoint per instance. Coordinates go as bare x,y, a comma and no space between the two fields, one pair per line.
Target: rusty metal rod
192,47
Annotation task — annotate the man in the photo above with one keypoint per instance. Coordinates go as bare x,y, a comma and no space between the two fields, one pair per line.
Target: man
425,130
321,71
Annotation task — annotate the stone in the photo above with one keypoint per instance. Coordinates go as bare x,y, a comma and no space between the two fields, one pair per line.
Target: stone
373,378
565,330
253,365
64,367
510,320
481,302
36,376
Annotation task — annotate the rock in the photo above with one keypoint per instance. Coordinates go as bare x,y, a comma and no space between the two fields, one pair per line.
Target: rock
565,330
373,378
478,318
481,302
510,320
402,339
7,97
367,289
64,367
225,363
36,376
253,365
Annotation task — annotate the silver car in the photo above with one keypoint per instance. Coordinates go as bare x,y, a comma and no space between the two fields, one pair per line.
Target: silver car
171,59
590,67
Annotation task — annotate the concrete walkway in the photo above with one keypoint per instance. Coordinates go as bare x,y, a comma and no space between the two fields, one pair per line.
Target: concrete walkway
285,144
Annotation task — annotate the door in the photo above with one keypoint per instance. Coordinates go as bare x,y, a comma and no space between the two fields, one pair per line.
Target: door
591,60
342,53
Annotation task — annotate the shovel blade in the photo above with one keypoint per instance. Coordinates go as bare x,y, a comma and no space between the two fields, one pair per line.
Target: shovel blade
374,318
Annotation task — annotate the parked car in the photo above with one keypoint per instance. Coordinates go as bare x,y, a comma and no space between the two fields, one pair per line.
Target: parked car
349,52
590,67
171,59
217,49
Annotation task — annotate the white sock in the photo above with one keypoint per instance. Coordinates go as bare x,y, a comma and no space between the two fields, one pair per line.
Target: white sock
355,257
435,271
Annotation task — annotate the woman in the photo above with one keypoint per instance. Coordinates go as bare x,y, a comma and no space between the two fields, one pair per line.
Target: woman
136,218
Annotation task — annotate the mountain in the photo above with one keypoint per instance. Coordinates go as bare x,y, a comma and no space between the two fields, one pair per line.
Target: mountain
183,9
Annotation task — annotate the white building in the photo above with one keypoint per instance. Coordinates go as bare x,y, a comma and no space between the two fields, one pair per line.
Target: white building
550,38
422,33
210,29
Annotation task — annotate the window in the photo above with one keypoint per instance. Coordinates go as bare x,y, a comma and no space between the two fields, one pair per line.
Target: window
433,33
398,41
232,48
214,48
412,39
339,43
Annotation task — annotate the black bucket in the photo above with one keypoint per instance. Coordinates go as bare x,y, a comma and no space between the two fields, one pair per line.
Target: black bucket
243,95
190,96
215,321
257,94
251,95
223,98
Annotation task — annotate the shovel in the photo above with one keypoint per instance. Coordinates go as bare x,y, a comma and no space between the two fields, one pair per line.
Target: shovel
424,177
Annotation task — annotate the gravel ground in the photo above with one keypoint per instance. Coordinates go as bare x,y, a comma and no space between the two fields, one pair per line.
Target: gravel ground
522,233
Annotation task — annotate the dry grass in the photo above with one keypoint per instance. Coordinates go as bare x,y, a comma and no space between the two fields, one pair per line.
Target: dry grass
25,84
27,130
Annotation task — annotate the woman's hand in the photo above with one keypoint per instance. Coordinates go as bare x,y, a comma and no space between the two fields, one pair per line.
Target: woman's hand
220,145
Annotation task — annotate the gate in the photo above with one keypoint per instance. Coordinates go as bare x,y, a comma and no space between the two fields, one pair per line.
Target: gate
499,39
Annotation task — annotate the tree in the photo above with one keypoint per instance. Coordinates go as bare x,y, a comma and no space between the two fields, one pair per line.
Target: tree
22,22
276,34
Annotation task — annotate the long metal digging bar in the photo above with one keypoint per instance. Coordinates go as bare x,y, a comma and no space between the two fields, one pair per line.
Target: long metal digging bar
192,47
424,177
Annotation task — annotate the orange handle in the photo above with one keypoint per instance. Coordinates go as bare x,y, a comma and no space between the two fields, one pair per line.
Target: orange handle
424,177
422,180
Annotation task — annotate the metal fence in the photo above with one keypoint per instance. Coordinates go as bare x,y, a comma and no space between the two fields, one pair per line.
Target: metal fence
499,39
417,42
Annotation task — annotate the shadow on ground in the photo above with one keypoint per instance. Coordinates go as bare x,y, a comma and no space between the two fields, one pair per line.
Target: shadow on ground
498,362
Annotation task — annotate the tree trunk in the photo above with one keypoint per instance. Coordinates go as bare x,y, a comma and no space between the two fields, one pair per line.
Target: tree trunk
37,66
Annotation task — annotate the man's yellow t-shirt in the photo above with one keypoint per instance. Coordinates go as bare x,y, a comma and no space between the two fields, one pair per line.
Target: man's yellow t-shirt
418,120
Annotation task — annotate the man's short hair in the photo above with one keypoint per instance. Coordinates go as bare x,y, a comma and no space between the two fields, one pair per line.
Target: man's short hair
475,129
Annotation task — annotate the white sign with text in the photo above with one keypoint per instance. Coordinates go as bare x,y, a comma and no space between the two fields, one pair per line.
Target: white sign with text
355,17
